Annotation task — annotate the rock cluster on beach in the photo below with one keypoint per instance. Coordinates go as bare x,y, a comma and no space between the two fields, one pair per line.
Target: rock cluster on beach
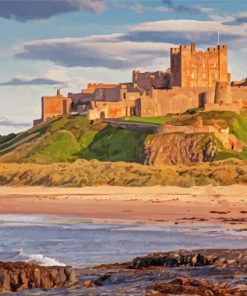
173,259
186,286
17,276
201,272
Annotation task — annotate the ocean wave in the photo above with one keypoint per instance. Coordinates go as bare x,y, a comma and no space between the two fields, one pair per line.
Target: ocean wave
40,259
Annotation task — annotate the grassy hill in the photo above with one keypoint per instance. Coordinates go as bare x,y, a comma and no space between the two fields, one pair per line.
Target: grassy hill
72,137
68,138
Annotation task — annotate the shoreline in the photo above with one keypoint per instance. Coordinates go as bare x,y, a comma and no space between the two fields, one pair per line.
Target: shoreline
195,205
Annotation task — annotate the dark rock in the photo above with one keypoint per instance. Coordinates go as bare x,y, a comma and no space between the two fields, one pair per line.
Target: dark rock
102,279
187,286
172,260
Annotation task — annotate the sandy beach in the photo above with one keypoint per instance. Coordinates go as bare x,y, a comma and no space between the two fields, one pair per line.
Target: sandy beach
226,205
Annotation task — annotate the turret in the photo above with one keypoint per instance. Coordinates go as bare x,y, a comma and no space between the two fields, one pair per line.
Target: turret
223,93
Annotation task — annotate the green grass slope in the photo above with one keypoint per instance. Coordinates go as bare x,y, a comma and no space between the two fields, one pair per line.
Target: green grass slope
58,140
68,138
71,137
157,120
117,144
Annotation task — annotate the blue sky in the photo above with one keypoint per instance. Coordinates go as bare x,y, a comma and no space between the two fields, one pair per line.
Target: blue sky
46,44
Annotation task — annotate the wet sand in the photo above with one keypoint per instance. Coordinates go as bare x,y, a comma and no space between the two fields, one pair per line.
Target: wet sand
226,205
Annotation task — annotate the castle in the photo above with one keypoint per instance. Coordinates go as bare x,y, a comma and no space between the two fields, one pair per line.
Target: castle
195,79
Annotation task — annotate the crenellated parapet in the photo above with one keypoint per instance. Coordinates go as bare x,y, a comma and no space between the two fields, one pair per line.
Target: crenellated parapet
193,68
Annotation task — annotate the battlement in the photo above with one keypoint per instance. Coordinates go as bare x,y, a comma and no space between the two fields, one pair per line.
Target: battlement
148,80
192,48
175,49
91,87
192,68
100,85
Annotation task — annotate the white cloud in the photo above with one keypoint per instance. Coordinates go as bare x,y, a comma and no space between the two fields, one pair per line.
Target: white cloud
188,26
108,51
185,31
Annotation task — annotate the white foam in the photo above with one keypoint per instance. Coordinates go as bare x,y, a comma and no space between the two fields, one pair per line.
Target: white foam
41,260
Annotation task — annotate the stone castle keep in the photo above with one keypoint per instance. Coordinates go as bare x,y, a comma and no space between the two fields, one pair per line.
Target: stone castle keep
195,79
192,68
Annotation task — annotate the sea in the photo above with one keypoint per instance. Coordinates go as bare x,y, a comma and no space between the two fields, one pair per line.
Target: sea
51,240
60,240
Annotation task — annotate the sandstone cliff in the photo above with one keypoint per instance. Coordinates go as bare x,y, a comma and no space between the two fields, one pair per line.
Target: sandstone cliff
179,148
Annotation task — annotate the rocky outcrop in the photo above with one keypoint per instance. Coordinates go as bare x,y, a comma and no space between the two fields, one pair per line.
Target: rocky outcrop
180,148
187,286
173,259
19,276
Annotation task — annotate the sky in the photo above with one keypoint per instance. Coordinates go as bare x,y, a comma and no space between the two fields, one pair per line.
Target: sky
50,44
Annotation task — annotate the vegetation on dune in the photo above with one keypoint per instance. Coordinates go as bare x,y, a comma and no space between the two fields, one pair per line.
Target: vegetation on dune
95,173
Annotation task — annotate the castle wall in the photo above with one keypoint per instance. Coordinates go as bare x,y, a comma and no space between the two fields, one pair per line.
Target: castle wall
223,107
91,87
51,107
147,80
239,93
240,83
145,107
37,122
111,109
55,106
192,68
178,100
223,93
107,94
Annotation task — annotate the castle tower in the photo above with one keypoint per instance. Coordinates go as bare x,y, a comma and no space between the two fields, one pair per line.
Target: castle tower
223,93
193,68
